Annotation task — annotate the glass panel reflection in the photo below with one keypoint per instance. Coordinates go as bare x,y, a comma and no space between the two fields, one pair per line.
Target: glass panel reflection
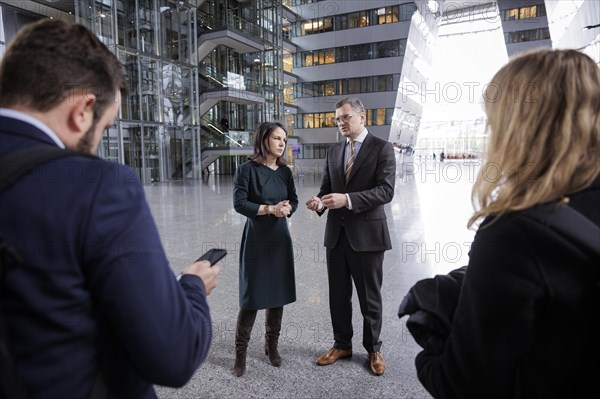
132,147
176,81
151,154
149,88
130,104
109,146
175,25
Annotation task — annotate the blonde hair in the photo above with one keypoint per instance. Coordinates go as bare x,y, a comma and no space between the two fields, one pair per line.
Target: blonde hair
543,111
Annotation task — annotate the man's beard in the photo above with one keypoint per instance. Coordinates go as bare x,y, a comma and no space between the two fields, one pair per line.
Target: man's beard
86,143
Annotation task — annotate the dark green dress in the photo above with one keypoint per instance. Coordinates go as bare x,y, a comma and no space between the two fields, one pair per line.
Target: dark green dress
266,254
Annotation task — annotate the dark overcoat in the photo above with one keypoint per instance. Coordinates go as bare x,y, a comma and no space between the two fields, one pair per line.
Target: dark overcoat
527,321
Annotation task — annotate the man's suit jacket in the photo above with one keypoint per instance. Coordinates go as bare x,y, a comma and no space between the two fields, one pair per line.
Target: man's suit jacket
95,276
369,186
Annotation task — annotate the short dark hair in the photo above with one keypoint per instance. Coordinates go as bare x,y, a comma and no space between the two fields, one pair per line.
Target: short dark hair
261,135
49,61
354,102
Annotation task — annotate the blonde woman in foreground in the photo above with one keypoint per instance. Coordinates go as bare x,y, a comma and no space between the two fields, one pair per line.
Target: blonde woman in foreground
528,314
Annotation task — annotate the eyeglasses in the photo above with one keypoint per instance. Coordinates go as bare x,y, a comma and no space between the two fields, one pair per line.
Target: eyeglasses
343,118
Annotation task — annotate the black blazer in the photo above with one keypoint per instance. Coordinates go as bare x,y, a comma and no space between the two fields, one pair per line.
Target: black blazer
369,186
526,324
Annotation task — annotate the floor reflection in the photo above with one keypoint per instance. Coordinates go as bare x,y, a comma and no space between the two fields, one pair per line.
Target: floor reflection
427,220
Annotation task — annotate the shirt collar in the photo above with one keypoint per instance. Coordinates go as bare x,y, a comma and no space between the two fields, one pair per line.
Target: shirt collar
23,117
360,138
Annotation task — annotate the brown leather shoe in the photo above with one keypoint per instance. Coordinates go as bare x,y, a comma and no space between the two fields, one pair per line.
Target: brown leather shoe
377,363
333,355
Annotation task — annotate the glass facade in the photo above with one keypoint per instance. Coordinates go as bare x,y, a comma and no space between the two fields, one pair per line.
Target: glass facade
254,78
313,151
358,52
203,74
158,130
527,12
528,35
169,116
375,117
357,19
189,93
366,84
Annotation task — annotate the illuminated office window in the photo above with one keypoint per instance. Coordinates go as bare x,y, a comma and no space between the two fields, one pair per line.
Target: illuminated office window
308,121
308,59
329,88
367,84
288,62
329,56
321,57
527,12
288,94
374,117
366,51
330,119
358,19
387,15
512,14
379,117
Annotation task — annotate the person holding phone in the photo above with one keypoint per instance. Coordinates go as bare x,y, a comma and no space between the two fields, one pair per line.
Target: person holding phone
90,306
265,193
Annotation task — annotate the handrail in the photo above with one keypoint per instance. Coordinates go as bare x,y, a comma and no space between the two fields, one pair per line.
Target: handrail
213,80
232,22
216,136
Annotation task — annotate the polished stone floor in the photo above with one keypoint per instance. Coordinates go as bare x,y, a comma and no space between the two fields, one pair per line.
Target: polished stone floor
427,220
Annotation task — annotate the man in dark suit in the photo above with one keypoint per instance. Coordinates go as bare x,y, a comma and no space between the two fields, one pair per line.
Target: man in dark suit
93,301
358,179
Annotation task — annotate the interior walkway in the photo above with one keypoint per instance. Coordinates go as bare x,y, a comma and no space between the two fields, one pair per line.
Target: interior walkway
427,220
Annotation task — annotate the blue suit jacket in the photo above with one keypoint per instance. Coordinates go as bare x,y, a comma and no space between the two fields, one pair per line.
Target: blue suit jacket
95,281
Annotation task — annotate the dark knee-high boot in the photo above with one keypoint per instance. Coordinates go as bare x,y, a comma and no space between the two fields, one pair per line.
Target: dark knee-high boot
272,328
245,322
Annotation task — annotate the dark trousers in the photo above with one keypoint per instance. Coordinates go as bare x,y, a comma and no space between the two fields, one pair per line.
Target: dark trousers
345,265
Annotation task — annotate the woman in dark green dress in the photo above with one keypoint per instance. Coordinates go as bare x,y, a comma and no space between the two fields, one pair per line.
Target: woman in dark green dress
264,192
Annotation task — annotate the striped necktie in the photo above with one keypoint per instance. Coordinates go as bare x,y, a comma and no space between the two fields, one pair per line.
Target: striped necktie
350,161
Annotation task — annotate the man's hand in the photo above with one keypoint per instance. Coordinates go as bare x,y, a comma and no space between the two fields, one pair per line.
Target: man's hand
335,200
207,273
314,204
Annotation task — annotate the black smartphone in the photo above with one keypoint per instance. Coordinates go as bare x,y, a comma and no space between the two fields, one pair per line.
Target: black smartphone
213,256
